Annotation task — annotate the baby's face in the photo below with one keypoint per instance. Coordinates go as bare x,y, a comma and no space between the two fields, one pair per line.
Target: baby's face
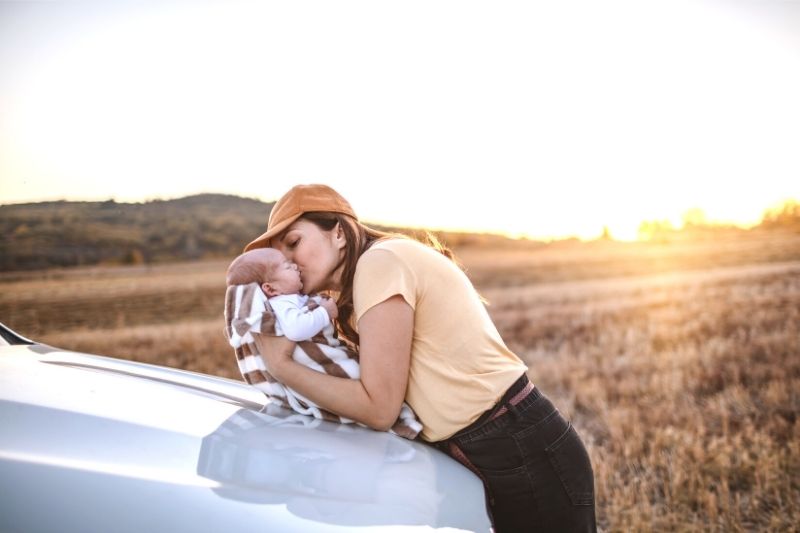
285,279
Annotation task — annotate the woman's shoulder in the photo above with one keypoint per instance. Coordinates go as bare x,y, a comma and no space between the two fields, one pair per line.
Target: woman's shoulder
386,249
388,242
403,252
397,249
399,245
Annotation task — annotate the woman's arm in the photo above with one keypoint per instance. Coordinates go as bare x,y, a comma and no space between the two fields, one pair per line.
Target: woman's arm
375,399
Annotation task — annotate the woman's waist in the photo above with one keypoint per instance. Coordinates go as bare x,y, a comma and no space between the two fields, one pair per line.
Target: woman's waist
447,406
520,393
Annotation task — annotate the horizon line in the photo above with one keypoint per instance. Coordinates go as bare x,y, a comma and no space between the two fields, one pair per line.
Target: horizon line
512,235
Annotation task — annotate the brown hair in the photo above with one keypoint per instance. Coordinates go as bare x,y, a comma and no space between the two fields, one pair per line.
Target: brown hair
358,238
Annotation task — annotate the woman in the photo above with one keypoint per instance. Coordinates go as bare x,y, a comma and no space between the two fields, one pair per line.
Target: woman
424,335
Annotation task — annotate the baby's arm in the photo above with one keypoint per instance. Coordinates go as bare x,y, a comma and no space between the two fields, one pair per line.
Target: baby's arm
297,324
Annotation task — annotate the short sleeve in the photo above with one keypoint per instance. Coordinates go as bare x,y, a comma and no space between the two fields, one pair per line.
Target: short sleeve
381,274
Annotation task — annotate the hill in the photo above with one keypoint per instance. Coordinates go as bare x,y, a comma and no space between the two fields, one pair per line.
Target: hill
49,234
42,235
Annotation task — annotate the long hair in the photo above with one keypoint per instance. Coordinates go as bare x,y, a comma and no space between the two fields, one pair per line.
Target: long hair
358,238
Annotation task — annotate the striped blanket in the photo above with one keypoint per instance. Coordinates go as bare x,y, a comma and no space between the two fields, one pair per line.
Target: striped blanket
247,311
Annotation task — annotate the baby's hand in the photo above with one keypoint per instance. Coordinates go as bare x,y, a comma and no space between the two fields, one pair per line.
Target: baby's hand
330,307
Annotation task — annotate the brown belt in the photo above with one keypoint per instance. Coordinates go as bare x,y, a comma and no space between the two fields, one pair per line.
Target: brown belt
518,397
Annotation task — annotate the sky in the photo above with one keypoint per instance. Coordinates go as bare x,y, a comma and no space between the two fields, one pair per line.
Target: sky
539,119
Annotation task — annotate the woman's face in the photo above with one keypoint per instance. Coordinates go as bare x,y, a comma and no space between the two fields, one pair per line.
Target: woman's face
316,253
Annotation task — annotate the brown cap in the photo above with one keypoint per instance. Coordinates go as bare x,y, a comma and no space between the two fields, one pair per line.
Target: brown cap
300,199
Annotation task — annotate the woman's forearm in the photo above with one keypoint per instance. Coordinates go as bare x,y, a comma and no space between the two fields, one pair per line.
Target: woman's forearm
343,396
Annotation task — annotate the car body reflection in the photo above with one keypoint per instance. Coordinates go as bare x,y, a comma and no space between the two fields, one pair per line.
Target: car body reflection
335,473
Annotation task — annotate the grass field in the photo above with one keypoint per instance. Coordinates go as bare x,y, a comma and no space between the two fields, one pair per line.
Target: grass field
678,363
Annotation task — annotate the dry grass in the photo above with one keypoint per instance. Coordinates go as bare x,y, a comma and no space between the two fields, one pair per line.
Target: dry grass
682,377
684,387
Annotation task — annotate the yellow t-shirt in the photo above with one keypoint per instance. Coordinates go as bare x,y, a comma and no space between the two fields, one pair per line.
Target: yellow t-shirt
460,367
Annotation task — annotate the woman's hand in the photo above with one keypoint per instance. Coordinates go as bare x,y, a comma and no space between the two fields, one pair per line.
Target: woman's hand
277,352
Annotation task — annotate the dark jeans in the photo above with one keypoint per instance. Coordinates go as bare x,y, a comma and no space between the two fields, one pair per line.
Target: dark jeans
536,471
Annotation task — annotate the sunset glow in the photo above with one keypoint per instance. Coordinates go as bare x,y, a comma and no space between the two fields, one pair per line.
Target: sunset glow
538,120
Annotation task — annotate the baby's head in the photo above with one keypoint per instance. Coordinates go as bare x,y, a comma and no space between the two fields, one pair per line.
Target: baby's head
269,268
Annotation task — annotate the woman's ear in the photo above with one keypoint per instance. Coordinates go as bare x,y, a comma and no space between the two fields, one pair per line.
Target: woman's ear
338,235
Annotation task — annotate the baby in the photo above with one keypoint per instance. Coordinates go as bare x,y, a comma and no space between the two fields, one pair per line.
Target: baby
297,318
264,297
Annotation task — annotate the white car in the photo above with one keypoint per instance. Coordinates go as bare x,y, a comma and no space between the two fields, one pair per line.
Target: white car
96,444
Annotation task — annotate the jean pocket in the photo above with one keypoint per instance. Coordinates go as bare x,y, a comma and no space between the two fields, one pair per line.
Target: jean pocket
495,451
571,462
510,493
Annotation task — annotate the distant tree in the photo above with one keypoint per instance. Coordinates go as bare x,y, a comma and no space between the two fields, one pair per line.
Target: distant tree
694,218
656,230
786,215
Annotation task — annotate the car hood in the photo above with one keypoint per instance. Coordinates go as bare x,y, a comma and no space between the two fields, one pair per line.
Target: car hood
91,443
